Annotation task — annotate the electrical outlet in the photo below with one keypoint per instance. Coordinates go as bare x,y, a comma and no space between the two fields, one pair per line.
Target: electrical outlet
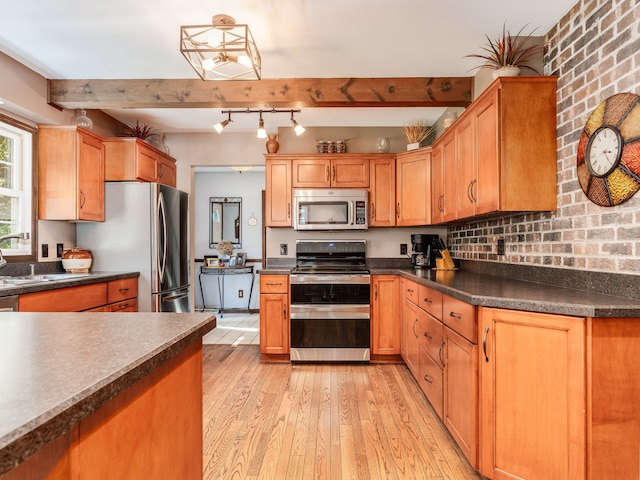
45,250
240,293
59,248
284,249
501,246
403,249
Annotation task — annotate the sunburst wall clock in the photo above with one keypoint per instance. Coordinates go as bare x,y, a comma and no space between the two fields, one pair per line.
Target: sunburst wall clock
608,160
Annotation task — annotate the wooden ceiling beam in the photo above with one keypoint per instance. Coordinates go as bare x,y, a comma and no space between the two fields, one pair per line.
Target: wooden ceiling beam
265,93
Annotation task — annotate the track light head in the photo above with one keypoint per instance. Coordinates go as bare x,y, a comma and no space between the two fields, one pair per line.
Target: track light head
262,133
299,129
220,125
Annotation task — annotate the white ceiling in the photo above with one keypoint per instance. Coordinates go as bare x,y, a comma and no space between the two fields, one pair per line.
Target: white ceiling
129,39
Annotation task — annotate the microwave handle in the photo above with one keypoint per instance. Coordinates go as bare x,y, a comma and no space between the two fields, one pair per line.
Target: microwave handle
352,213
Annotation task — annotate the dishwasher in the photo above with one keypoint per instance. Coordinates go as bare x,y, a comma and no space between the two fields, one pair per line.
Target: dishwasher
9,303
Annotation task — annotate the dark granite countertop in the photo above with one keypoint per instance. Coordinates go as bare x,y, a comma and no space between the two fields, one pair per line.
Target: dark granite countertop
517,294
58,368
80,279
500,292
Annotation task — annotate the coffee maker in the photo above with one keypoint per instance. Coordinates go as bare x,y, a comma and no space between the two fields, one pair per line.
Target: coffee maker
424,248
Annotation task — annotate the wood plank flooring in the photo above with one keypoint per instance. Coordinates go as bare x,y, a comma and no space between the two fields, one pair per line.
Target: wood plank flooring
329,421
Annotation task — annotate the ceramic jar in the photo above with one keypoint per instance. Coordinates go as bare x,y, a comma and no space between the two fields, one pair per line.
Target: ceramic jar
272,144
76,260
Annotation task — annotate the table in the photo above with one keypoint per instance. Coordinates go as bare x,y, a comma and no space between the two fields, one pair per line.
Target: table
221,273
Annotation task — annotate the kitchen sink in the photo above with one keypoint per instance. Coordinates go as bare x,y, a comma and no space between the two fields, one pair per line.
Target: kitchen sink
29,279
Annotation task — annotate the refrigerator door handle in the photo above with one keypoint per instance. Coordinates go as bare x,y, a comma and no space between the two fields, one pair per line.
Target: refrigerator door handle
175,297
162,215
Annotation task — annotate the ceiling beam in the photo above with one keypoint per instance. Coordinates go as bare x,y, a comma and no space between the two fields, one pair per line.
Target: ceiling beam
265,93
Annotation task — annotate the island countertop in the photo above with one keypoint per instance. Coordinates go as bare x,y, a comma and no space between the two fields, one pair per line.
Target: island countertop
58,368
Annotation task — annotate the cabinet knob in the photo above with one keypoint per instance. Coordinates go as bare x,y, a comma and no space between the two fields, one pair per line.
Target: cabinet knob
426,334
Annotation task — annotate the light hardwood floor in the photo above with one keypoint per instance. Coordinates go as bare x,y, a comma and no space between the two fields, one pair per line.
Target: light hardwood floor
312,421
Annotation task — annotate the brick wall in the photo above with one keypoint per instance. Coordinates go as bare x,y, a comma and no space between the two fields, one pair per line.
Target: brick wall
595,52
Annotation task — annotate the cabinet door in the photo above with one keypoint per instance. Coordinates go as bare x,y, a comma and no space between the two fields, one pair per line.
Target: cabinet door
461,393
487,190
147,164
430,381
467,163
71,299
437,185
90,178
349,172
385,317
451,177
274,324
411,317
532,396
167,171
278,193
311,173
413,188
382,192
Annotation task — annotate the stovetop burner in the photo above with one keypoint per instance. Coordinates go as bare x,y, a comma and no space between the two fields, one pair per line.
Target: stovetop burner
335,257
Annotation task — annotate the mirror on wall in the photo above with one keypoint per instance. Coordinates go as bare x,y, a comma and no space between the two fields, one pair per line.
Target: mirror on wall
224,220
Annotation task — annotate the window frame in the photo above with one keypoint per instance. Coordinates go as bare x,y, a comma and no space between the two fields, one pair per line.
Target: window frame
33,234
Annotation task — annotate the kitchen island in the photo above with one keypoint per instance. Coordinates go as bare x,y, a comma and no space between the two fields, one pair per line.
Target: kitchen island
101,395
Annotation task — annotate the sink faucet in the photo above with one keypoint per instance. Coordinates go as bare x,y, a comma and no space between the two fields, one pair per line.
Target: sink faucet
21,236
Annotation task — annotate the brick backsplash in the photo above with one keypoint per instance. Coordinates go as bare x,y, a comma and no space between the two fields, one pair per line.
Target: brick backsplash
595,52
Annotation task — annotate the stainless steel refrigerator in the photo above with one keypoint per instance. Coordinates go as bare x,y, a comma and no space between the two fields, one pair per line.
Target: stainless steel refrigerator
145,230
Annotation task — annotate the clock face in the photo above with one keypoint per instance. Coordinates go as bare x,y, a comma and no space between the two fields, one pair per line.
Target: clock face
604,151
608,160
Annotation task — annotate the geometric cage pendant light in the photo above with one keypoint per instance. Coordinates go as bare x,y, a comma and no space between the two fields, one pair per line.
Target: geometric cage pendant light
223,50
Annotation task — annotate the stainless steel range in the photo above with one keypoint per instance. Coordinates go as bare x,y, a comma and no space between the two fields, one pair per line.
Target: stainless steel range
330,296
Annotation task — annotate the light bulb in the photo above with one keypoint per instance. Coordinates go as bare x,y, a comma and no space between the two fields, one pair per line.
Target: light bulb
208,64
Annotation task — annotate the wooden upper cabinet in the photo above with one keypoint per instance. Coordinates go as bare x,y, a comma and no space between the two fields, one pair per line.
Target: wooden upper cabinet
129,158
70,174
324,171
278,201
413,187
382,191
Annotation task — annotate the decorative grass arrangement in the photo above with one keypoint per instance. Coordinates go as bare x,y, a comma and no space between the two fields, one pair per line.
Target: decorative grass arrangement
417,130
139,130
508,50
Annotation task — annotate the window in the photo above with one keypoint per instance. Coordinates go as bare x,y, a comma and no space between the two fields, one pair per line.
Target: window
17,209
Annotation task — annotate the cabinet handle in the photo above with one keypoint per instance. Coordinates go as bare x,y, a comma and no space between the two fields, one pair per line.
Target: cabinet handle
426,378
123,290
410,290
469,191
426,334
288,210
440,355
455,315
123,306
427,300
327,173
333,173
414,328
398,210
373,209
375,292
474,198
284,311
484,344
82,199
441,203
273,284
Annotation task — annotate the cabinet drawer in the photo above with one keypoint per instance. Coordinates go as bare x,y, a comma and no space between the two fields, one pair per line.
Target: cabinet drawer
411,291
130,305
71,299
123,289
274,283
430,380
460,317
430,335
430,301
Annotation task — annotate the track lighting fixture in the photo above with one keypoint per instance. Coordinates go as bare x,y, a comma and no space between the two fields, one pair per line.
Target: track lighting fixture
262,133
220,125
299,129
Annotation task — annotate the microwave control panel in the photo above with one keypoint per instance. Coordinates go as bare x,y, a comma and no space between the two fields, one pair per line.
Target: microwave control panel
361,212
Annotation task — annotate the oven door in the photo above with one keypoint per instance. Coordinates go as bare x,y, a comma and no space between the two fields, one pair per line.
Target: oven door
330,318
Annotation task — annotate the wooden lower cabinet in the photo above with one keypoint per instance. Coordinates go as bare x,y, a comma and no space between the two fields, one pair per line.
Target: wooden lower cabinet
274,315
460,392
385,315
113,296
410,335
430,379
532,396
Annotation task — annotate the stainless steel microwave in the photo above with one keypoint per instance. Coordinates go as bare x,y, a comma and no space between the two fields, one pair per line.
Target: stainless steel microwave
330,209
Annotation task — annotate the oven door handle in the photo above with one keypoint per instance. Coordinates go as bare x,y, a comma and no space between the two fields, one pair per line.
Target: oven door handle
302,279
334,311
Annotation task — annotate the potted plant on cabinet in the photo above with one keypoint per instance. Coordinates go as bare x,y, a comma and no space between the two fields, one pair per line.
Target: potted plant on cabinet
508,54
